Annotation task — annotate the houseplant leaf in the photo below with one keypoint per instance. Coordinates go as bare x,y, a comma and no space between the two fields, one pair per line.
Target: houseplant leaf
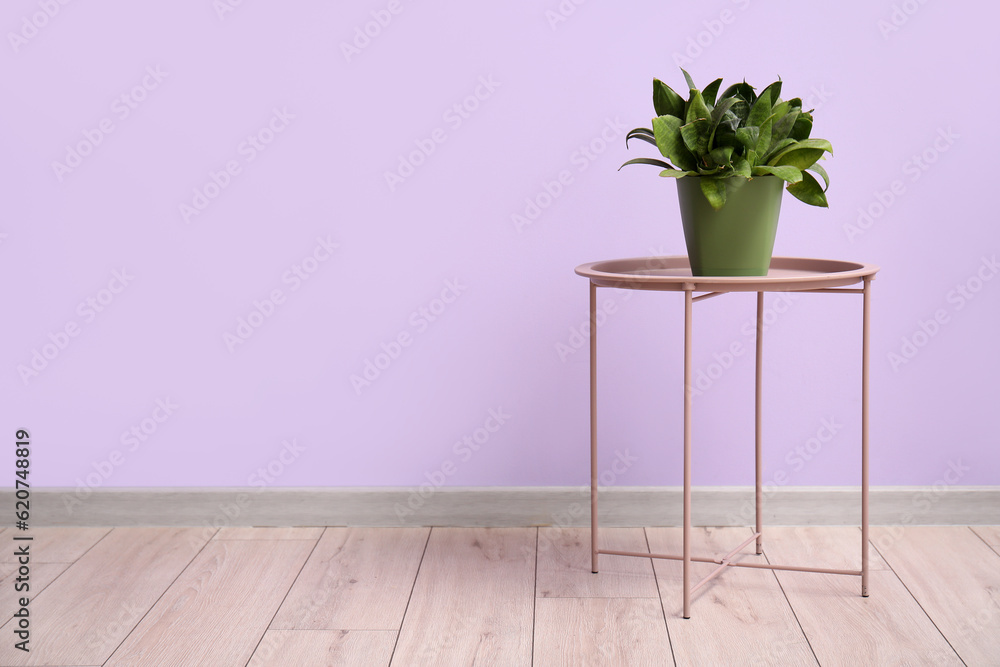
748,137
743,90
786,173
690,81
641,133
648,160
802,128
817,168
715,191
695,135
722,156
763,139
774,90
741,167
802,154
668,139
782,127
809,191
760,110
666,101
711,91
696,108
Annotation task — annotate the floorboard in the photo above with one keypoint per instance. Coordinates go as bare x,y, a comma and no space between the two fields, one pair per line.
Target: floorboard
219,608
274,596
989,534
55,544
320,648
843,628
740,617
600,631
96,602
955,578
356,579
564,565
472,602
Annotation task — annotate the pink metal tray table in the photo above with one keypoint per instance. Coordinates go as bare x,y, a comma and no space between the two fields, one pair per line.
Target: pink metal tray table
673,274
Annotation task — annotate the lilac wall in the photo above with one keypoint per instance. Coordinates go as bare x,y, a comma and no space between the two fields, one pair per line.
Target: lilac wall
226,250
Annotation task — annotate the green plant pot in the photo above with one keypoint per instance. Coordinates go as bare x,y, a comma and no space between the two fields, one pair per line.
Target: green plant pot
738,239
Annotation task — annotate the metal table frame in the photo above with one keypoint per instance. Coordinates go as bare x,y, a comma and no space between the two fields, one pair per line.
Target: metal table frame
673,274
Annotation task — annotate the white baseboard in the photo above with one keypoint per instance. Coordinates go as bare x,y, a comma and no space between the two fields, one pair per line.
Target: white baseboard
503,506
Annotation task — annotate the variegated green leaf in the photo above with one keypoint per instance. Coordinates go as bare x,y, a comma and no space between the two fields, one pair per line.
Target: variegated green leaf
666,101
641,133
809,191
748,137
741,167
822,172
782,127
743,90
722,156
760,110
690,81
696,108
802,154
668,139
715,192
775,92
802,128
764,139
776,148
647,160
695,135
789,174
711,91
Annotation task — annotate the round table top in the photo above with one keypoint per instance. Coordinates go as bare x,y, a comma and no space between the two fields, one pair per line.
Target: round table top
674,274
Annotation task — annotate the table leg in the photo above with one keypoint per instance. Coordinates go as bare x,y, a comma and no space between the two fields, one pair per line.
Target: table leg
758,423
593,427
865,328
688,294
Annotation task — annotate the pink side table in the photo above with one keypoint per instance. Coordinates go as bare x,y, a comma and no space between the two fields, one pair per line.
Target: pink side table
673,274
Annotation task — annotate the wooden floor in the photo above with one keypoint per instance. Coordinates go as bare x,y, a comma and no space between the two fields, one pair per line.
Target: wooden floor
268,597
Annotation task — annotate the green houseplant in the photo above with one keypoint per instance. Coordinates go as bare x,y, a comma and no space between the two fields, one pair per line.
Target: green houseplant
731,154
